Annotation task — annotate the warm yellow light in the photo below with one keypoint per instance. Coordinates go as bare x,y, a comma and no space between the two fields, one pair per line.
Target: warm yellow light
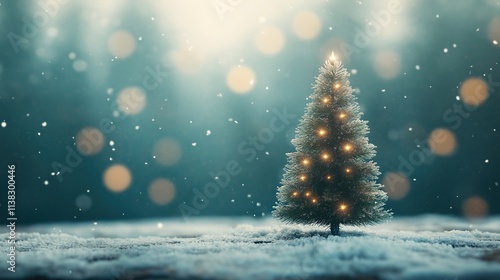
332,57
131,100
308,193
326,100
306,25
295,193
328,177
387,64
336,86
347,147
161,191
442,142
396,185
240,79
342,115
474,91
314,200
325,156
270,40
322,132
121,44
167,151
303,178
305,162
343,207
117,178
348,170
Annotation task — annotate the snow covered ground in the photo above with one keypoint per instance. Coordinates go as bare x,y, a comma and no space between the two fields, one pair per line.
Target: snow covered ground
425,247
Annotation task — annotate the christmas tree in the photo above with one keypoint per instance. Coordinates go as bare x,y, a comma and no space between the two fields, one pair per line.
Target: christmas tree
331,178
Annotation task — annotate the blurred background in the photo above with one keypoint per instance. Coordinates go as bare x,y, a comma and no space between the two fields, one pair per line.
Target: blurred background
126,110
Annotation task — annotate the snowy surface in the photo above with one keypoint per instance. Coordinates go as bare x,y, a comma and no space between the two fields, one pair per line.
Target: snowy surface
425,247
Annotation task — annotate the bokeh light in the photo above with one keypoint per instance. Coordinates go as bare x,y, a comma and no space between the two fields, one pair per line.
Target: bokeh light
161,191
474,91
89,141
214,81
306,25
270,40
117,178
240,79
167,151
396,185
187,61
131,100
121,44
387,64
442,142
83,202
494,30
475,207
79,65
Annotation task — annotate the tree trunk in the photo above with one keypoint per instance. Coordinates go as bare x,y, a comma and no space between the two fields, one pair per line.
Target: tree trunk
335,228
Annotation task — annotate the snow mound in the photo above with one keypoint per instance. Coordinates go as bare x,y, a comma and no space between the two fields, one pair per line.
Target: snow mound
426,247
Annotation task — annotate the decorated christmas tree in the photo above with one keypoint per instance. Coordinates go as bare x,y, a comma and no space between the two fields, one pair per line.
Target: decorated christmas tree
331,178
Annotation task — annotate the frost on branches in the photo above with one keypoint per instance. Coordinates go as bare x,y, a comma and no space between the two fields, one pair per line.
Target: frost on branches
331,178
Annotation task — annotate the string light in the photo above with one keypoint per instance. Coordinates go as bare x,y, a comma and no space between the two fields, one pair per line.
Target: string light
336,86
322,132
328,177
303,178
348,170
305,162
314,200
295,193
308,193
326,100
347,147
343,207
342,115
325,156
